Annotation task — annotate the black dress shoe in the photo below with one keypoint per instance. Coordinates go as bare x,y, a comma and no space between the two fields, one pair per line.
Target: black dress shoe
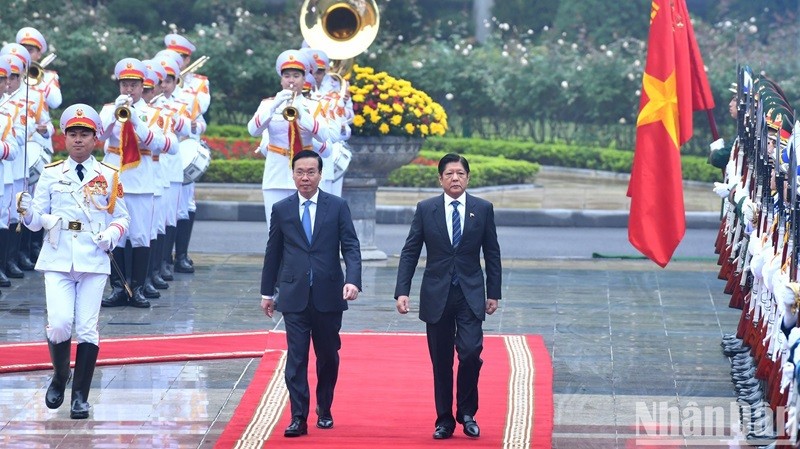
325,422
24,262
296,428
115,299
471,428
4,281
442,433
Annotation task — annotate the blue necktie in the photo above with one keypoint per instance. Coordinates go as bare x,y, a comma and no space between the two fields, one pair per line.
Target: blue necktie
456,234
456,224
307,220
79,169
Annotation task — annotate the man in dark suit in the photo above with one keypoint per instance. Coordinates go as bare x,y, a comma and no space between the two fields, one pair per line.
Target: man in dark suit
307,231
453,303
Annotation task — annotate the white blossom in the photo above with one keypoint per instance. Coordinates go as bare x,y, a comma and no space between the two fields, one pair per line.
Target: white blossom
631,76
603,47
727,24
609,53
638,93
622,121
201,32
249,52
103,48
400,38
574,46
530,31
579,68
753,29
504,54
564,84
416,64
35,15
545,28
637,63
448,96
560,41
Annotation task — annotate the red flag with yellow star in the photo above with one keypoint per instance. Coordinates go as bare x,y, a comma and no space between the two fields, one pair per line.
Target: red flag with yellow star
674,84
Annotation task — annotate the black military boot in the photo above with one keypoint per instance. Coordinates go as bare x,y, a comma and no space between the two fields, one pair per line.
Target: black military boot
36,245
182,263
118,296
189,239
85,360
59,356
140,258
156,253
4,282
12,269
167,261
148,289
23,258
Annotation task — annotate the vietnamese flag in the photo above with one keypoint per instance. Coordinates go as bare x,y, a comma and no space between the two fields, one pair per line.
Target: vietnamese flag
128,147
674,84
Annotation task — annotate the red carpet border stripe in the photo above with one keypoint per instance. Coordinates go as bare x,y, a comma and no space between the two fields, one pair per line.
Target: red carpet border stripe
519,419
269,410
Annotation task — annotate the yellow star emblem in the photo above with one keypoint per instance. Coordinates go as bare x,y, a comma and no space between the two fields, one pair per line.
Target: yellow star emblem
662,104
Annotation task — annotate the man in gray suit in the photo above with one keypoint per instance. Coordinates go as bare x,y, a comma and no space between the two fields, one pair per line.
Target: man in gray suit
307,231
454,227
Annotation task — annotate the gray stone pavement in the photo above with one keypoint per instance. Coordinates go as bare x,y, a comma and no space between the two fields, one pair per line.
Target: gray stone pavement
631,343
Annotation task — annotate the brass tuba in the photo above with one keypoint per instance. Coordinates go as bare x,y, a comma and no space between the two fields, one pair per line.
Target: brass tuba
341,28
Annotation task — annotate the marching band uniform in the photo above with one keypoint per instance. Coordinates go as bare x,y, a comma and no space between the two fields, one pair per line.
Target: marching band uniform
25,116
9,149
196,92
50,89
137,172
279,142
79,202
153,281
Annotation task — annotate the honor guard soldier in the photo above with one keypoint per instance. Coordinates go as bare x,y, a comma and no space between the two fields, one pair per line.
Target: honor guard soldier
9,150
32,120
80,204
133,135
287,125
49,87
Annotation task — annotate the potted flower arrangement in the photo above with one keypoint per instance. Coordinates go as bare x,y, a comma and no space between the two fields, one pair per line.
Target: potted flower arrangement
391,120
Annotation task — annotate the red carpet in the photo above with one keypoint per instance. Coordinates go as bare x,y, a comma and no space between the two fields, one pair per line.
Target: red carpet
16,357
384,397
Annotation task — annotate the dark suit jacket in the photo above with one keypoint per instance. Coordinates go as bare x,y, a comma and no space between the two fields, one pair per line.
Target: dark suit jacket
430,228
290,259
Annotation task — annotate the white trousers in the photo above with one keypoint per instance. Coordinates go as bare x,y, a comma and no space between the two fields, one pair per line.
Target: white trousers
140,208
172,196
186,203
5,205
159,216
272,196
73,297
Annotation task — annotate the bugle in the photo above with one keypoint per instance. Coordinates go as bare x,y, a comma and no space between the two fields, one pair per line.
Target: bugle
290,113
123,112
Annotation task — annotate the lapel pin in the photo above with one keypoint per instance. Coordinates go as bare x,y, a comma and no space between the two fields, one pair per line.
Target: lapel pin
471,215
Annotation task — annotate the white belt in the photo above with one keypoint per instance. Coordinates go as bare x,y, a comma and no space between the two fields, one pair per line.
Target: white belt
79,226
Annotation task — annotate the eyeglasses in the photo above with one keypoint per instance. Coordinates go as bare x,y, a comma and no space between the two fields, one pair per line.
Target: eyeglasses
303,174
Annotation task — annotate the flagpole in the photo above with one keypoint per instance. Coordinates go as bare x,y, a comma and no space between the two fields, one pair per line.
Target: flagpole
712,123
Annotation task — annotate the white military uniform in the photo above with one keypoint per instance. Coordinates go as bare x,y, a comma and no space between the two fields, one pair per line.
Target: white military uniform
75,267
141,181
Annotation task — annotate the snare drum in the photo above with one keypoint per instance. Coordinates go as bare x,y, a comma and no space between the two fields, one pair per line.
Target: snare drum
342,161
196,158
37,159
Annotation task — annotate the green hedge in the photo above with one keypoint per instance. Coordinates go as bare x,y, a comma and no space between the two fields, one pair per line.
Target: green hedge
484,171
695,168
244,171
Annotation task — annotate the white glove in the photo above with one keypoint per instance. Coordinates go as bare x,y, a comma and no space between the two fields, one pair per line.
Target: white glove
24,201
739,193
748,211
107,239
122,100
717,145
281,99
722,189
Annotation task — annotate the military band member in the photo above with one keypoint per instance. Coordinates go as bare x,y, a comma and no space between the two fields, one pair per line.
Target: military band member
282,139
26,116
194,90
79,202
129,118
9,149
50,88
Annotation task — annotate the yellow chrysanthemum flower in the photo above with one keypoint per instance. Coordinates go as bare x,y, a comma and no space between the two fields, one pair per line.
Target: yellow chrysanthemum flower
358,98
383,97
410,128
423,129
396,120
384,128
367,109
398,107
374,117
359,121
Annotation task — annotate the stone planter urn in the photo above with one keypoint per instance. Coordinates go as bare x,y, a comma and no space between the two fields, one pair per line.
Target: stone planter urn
373,159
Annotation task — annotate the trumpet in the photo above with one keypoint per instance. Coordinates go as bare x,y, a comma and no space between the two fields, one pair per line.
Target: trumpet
191,68
290,113
123,113
36,70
